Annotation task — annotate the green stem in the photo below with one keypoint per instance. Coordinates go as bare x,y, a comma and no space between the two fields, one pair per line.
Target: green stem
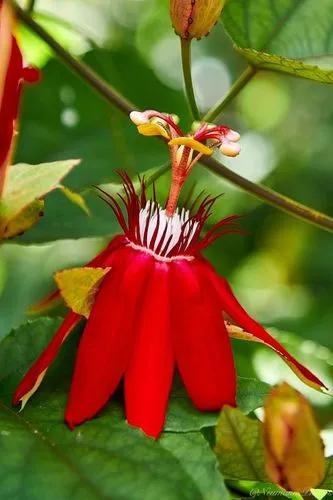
186,62
30,6
290,206
267,195
239,84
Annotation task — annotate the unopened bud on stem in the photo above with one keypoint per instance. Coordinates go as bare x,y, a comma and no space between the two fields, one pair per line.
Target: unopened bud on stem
293,447
195,18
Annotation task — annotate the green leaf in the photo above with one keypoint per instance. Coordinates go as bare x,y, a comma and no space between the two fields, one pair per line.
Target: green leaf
251,394
25,185
183,417
291,36
327,483
64,220
105,458
261,490
28,217
239,446
196,457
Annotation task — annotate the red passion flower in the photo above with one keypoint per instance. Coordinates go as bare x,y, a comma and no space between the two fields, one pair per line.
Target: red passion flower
159,307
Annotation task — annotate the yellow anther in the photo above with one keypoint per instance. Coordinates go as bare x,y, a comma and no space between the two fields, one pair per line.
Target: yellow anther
191,143
151,129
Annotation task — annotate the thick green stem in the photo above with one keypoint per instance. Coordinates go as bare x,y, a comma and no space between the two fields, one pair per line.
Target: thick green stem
187,72
239,84
113,97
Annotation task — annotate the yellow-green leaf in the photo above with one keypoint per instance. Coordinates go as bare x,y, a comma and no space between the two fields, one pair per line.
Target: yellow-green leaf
75,198
27,183
29,216
299,68
239,446
79,286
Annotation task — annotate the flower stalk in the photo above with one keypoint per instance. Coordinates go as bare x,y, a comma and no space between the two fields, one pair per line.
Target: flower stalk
186,64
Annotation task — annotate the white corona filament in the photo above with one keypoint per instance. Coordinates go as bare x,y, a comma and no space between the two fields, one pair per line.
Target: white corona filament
156,216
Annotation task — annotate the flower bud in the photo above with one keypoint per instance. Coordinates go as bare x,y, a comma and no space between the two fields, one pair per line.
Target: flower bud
195,18
293,448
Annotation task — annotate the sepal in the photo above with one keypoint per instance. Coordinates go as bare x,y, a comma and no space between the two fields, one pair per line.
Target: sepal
79,286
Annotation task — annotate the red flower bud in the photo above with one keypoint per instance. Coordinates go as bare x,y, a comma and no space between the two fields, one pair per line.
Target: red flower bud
195,18
293,447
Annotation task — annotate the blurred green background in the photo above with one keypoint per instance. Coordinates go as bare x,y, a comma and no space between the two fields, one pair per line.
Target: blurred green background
281,269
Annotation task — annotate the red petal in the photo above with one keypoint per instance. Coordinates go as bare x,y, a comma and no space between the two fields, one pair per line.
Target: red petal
148,378
105,257
202,347
232,307
34,376
10,100
106,342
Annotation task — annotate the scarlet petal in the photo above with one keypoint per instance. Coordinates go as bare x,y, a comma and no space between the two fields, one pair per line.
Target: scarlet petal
32,379
202,347
233,308
148,378
106,343
10,100
104,258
